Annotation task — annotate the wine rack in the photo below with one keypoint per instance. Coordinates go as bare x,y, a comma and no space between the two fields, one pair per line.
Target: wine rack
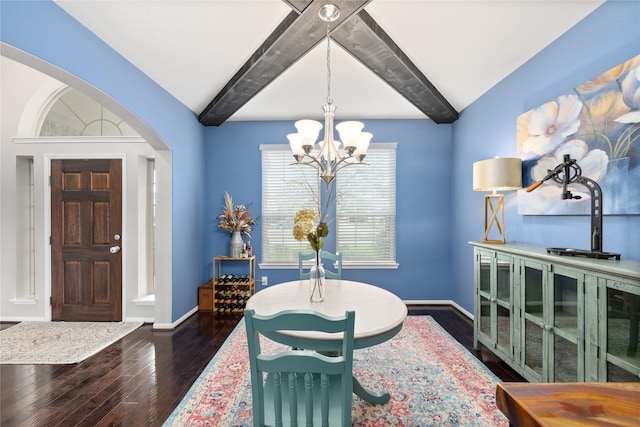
233,290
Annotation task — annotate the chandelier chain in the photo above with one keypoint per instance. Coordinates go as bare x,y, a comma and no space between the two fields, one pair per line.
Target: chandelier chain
329,100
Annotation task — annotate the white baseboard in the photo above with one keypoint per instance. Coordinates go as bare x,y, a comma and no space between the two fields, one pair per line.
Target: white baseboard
165,326
23,319
23,301
42,319
462,310
139,319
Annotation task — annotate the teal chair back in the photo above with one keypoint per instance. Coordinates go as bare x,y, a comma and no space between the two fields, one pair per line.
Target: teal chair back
324,255
302,387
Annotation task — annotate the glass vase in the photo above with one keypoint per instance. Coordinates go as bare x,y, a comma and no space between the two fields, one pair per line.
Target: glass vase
235,245
316,283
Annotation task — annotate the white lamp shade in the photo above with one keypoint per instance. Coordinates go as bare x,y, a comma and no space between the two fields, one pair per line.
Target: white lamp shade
363,143
350,132
295,143
308,130
499,174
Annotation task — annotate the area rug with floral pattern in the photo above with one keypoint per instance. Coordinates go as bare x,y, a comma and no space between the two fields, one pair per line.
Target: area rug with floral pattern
32,343
432,379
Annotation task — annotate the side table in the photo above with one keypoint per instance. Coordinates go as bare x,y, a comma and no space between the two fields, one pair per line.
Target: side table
570,404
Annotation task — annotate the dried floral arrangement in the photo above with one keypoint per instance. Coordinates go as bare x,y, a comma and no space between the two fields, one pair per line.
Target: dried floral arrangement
235,218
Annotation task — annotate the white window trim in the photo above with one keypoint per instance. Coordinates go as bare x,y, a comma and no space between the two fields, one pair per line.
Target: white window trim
370,265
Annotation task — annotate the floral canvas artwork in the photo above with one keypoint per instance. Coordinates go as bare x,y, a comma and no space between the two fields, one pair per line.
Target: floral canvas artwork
598,124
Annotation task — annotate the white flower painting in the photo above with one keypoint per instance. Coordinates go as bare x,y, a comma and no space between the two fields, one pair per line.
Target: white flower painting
598,125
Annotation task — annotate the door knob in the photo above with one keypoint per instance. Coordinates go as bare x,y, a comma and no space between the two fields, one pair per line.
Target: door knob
114,249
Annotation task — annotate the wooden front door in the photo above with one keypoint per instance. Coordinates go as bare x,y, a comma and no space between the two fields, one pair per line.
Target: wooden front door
86,225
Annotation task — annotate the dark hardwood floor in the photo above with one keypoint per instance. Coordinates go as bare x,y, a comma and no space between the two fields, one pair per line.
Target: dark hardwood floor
140,379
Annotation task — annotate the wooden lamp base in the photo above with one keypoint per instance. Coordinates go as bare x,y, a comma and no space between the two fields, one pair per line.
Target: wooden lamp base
493,214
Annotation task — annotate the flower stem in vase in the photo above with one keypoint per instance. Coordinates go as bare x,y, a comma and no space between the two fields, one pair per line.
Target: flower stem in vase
316,281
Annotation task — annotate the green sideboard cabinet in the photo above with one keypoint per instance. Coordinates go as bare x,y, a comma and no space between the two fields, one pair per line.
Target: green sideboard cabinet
557,318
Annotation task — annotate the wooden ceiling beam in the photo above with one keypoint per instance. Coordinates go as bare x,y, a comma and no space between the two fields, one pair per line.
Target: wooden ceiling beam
357,32
296,35
364,39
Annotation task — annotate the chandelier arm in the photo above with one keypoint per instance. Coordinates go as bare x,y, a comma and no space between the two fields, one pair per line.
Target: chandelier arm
343,163
315,163
339,162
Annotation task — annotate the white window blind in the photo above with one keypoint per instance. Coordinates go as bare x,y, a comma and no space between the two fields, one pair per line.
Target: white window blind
286,188
366,208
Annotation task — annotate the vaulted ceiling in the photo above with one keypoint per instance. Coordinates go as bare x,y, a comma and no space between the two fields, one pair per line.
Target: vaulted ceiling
266,59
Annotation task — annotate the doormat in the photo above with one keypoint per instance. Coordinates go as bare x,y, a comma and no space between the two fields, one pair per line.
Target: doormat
432,379
53,343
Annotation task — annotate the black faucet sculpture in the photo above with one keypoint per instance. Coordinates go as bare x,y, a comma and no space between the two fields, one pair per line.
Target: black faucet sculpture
567,173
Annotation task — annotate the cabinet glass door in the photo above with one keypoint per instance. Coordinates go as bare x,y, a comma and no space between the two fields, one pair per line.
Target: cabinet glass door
566,325
623,315
565,368
532,284
493,302
533,347
503,302
485,316
485,271
483,301
565,307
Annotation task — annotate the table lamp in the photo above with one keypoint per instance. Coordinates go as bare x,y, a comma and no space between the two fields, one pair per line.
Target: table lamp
499,174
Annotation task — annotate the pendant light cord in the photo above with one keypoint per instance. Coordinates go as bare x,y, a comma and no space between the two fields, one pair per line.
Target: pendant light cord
329,100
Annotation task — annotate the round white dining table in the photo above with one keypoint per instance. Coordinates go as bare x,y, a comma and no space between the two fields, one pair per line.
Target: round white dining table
379,317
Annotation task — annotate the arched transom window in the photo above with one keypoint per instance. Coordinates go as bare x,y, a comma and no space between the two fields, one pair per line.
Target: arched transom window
75,114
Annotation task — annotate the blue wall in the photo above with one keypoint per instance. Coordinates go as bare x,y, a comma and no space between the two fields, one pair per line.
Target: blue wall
423,199
437,211
605,38
36,28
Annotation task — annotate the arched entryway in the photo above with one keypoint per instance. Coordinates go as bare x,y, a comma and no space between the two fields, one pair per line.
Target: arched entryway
59,122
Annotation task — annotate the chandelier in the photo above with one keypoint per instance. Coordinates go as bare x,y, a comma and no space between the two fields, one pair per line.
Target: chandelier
330,157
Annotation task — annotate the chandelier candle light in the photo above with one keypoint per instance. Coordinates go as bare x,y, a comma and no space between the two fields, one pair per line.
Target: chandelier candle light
329,160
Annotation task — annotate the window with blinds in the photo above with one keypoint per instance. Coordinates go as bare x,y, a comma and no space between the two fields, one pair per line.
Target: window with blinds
286,188
366,208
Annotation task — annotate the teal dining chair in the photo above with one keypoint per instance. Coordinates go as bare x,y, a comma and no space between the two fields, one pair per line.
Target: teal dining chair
302,387
335,259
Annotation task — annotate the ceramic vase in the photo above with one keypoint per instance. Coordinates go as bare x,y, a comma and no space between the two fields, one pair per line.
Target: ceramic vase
235,245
